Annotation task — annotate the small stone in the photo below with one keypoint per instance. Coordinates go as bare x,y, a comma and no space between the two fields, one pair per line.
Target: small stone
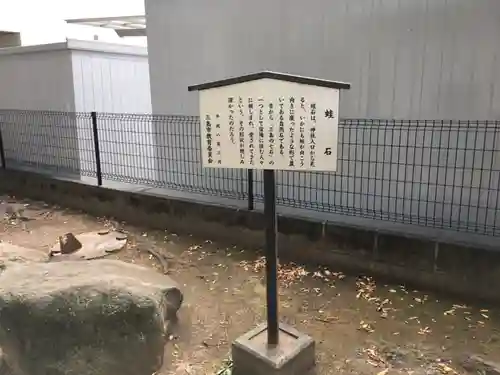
69,244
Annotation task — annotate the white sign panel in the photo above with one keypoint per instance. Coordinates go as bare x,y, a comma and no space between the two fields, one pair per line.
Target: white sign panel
270,124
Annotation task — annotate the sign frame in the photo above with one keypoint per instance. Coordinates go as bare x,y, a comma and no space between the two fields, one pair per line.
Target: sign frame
270,121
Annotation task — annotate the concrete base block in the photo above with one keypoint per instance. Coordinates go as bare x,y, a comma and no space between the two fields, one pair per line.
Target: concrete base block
293,356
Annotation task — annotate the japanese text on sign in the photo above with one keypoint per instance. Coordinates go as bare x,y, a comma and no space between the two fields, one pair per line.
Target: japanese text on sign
293,129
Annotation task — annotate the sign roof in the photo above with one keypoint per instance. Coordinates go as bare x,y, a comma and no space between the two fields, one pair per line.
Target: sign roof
271,75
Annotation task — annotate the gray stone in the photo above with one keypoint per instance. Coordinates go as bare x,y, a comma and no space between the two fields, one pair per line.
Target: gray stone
294,354
94,245
12,254
69,244
96,317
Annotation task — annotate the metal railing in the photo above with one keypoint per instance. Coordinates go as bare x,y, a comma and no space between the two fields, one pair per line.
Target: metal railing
439,174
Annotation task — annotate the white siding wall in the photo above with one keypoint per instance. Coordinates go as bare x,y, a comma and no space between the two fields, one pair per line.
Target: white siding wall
109,82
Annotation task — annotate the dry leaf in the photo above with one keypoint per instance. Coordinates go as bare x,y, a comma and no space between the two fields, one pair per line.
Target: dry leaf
287,273
366,327
447,370
423,331
383,372
374,358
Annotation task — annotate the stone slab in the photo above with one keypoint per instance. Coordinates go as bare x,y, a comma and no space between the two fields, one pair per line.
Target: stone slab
94,245
294,355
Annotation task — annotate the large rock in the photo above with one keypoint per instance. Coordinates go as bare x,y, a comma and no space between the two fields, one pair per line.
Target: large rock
101,317
12,254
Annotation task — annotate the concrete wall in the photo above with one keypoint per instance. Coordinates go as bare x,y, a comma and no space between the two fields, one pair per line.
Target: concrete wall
115,79
406,59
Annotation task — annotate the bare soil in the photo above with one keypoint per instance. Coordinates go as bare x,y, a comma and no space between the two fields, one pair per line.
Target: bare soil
360,325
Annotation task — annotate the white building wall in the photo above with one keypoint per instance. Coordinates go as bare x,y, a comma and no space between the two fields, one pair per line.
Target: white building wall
405,59
78,76
113,80
410,59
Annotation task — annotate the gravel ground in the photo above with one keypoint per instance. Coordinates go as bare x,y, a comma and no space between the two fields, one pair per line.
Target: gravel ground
360,326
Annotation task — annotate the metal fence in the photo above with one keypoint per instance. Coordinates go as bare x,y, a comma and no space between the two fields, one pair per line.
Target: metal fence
440,174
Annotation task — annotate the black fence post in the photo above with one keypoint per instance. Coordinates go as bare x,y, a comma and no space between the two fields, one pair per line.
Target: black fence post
250,189
96,149
2,152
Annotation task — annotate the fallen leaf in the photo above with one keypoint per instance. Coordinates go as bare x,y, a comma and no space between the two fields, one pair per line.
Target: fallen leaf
366,327
288,274
423,331
446,369
383,372
327,319
374,358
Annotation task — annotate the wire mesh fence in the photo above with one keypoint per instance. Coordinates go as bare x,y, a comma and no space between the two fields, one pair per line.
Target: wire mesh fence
440,174
49,142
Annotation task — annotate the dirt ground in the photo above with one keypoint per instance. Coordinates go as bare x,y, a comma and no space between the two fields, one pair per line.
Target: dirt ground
360,326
